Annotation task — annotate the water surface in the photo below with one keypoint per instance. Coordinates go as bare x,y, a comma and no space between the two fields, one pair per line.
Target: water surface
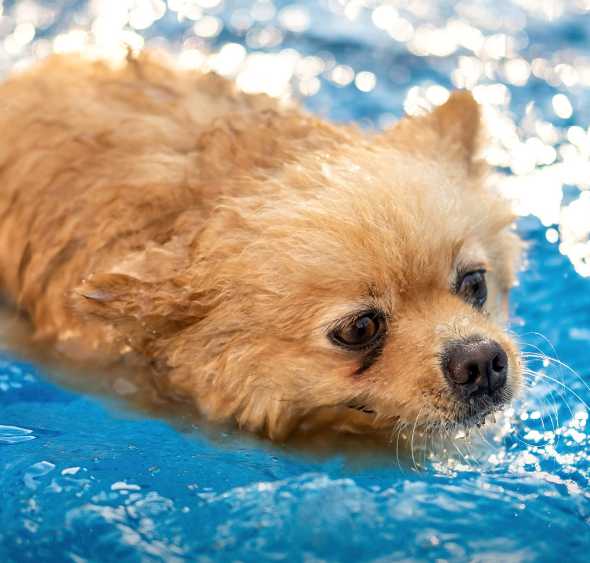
85,477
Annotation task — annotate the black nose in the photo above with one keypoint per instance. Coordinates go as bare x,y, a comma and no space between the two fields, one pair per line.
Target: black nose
476,367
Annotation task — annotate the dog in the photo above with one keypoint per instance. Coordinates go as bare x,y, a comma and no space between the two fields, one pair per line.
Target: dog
281,272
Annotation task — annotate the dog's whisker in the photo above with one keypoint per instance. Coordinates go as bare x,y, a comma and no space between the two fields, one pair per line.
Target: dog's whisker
482,437
563,387
545,358
412,439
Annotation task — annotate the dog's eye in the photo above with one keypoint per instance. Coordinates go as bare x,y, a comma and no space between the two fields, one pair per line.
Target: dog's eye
360,331
473,289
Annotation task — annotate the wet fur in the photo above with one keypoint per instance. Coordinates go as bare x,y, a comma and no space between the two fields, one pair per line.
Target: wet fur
160,214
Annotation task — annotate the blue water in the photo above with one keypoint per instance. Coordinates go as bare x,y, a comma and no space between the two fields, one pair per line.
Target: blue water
86,477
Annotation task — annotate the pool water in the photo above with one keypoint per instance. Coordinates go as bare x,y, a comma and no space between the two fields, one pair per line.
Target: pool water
87,477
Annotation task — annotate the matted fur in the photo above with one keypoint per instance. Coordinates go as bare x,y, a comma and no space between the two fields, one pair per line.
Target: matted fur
220,237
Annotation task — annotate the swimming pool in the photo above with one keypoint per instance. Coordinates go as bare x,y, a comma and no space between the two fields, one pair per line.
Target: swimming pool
84,477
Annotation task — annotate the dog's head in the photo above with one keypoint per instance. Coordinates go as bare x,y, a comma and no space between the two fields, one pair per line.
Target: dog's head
369,281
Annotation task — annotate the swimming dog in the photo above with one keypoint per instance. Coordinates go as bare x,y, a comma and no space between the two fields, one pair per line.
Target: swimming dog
280,271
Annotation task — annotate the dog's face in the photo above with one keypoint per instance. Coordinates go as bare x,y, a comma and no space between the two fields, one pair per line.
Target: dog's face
370,283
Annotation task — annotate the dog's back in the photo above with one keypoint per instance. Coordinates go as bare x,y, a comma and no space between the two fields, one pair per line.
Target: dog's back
94,161
97,159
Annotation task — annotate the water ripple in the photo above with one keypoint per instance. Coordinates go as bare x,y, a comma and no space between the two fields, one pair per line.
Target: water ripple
15,435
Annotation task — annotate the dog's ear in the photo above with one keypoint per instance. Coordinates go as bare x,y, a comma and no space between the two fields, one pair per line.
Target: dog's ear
452,130
458,122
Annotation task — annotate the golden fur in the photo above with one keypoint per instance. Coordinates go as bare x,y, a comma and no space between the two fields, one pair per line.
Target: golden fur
160,213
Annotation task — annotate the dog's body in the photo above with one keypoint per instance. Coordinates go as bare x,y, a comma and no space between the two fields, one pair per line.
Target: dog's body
231,244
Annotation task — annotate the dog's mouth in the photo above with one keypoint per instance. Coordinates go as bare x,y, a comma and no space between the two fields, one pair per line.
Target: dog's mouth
476,411
479,410
360,407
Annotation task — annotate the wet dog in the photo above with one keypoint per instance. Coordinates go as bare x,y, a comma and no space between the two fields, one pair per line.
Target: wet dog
278,270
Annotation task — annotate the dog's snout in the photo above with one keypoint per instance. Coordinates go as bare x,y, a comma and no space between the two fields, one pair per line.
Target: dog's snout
477,367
